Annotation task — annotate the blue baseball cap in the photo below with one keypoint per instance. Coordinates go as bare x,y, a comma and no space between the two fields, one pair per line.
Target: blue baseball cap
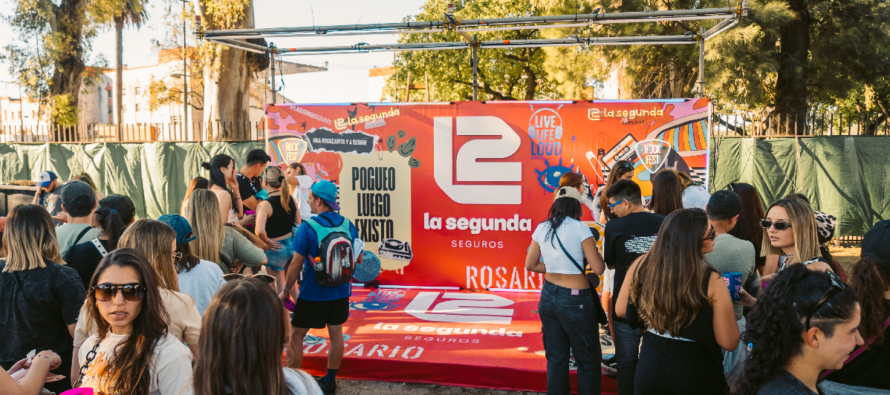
45,178
180,226
327,191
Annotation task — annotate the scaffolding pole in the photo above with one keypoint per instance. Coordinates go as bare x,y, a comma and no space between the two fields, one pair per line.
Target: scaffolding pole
475,69
701,64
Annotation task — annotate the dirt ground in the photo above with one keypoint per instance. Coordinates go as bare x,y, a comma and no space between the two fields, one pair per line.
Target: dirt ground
363,387
846,256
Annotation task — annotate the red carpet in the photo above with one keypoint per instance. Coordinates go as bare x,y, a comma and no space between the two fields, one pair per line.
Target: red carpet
458,338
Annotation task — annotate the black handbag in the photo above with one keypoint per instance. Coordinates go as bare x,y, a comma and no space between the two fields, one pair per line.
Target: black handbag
601,316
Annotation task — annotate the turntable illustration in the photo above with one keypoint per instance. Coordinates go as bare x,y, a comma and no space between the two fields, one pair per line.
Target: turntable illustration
395,249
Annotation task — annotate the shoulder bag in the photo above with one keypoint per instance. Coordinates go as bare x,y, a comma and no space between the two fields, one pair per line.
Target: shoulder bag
601,316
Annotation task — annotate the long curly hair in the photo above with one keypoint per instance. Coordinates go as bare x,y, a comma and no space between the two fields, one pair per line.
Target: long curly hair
776,324
748,225
869,279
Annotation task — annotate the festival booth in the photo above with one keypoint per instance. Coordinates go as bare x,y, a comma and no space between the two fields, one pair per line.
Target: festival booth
446,197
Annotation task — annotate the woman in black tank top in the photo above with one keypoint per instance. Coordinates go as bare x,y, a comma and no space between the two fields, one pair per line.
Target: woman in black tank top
276,218
687,322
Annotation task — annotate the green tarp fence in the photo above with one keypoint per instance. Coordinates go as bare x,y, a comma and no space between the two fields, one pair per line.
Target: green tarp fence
154,175
843,176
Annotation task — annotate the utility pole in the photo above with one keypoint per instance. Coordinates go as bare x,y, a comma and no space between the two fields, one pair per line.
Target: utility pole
475,61
701,63
274,93
185,69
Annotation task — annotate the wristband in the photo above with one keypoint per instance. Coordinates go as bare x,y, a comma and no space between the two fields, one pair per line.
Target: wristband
286,289
43,356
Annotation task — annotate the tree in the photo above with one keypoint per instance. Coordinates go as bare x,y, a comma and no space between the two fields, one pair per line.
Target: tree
503,74
133,13
227,71
161,91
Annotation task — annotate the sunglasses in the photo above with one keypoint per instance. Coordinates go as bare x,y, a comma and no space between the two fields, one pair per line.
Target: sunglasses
836,286
626,165
616,203
731,186
712,234
107,292
765,224
177,255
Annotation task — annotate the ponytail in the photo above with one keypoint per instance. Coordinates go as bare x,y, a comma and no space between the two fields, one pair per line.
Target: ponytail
274,176
869,279
114,214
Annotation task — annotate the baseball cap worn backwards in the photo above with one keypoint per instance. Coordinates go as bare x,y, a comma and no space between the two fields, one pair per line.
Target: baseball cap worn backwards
327,191
876,243
180,226
45,178
75,189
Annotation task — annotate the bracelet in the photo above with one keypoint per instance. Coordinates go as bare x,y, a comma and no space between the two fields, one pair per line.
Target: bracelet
43,356
286,289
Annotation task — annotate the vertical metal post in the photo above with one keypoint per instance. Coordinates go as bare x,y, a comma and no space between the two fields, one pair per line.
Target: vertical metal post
185,69
475,65
274,93
701,63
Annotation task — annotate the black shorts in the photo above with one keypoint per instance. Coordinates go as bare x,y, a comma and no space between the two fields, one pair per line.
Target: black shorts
316,315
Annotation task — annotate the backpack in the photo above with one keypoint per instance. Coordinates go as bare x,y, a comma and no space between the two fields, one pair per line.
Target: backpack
334,264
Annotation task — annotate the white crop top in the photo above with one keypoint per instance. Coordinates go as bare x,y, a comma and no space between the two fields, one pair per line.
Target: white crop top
232,216
571,232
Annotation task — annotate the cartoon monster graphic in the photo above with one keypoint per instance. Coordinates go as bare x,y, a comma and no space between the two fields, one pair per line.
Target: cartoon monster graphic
352,114
549,177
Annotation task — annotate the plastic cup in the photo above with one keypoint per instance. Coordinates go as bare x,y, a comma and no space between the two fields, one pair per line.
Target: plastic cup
733,281
79,391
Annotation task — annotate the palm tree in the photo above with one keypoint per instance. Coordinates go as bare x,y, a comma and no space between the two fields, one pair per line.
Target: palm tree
132,12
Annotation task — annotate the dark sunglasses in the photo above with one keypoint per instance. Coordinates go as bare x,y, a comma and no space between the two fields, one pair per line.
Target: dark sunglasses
107,292
626,165
712,234
836,286
731,186
616,203
778,225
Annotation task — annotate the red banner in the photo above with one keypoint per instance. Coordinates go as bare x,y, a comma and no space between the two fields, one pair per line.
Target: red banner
449,194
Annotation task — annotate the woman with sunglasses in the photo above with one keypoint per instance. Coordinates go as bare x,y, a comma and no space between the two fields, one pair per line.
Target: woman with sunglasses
870,279
667,193
558,249
40,298
275,221
197,278
790,231
621,170
806,322
131,351
154,242
748,225
686,306
250,354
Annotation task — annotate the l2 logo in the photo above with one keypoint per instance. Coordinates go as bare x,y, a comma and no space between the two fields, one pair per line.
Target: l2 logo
652,153
462,308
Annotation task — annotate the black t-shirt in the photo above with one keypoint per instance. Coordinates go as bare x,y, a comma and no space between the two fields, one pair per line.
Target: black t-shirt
36,306
870,368
246,187
784,383
85,258
626,239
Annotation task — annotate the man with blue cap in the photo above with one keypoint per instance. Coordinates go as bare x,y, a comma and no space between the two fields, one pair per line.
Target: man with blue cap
49,193
323,297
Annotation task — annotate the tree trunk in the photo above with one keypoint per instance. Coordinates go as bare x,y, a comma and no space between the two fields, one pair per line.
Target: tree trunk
119,72
226,94
792,80
68,68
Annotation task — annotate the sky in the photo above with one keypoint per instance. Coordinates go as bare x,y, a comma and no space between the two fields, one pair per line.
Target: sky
345,80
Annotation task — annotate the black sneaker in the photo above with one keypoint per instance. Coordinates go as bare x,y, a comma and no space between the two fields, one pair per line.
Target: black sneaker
328,388
609,364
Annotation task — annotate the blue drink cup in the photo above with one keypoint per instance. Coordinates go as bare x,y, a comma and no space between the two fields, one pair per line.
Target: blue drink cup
733,281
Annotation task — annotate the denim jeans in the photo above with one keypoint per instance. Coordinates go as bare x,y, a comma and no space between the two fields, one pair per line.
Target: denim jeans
627,352
832,388
569,322
734,361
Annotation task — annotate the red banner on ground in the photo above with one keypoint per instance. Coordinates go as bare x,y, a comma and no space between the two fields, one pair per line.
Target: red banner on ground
449,194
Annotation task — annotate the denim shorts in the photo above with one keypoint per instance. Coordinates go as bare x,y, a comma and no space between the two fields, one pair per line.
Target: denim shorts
276,260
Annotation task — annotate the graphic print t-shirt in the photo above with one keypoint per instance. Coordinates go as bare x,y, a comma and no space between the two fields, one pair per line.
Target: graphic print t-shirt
626,239
170,370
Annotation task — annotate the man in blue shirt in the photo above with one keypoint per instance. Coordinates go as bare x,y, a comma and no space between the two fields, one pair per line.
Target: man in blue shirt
318,306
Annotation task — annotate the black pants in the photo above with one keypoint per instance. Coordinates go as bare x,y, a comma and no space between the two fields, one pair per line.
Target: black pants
676,367
64,369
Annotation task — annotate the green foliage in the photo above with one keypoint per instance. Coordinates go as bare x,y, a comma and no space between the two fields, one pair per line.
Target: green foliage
509,74
169,92
64,110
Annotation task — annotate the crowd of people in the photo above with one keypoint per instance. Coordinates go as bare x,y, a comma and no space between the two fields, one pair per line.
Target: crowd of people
701,293
170,306
708,294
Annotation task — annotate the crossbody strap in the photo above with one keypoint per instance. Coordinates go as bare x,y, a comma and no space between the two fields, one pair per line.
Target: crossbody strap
581,268
67,256
856,353
100,247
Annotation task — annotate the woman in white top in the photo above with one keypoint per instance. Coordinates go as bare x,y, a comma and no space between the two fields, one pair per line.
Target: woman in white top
240,357
296,177
131,353
566,306
224,185
198,278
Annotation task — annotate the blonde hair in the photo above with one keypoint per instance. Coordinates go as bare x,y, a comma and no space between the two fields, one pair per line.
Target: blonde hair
803,224
29,238
684,179
154,240
274,176
202,212
87,179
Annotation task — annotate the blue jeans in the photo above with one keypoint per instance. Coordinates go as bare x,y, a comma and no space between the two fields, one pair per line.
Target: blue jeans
569,323
627,351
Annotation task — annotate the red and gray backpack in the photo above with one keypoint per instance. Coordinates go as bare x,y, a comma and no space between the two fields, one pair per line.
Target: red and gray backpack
334,262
